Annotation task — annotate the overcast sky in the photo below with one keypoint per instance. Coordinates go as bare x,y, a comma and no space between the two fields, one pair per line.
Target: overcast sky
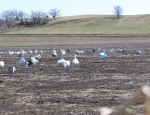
78,7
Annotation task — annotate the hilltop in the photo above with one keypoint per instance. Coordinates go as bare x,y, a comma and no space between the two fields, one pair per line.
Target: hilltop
89,24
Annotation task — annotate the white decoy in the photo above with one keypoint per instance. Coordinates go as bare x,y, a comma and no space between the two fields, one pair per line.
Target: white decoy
11,69
75,61
21,61
79,52
36,51
10,53
31,61
54,54
111,51
41,51
30,51
102,55
2,64
20,53
38,56
121,50
63,63
62,52
138,52
1,53
98,50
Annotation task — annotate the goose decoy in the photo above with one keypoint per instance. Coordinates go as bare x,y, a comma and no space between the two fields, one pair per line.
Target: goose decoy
138,52
102,55
111,51
11,69
54,54
21,61
2,64
31,61
75,61
62,52
63,63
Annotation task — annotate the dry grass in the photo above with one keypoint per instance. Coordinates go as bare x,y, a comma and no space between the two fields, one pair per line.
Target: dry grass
90,24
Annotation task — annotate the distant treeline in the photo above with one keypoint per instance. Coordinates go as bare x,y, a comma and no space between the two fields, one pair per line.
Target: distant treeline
12,18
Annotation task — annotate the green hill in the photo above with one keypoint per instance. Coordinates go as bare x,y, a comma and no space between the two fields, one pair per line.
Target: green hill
89,24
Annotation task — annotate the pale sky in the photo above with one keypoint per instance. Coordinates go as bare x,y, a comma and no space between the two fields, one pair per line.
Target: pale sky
78,7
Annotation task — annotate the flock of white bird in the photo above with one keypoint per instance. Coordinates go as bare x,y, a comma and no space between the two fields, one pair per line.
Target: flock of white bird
34,59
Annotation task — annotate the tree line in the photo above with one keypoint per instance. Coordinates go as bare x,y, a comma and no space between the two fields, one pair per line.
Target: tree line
15,17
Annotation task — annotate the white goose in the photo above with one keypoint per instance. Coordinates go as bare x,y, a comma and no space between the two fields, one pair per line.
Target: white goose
31,61
63,63
102,55
54,54
75,61
38,56
62,51
111,51
2,64
21,61
41,51
10,53
138,52
36,51
30,51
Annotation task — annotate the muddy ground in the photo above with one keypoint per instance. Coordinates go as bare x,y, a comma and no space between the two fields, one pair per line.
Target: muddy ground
49,89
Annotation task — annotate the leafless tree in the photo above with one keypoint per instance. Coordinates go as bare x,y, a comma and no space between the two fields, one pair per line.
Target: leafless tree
1,22
17,14
54,13
8,16
33,16
44,18
26,17
37,17
118,11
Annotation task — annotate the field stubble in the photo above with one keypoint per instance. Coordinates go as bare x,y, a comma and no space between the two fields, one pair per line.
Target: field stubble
48,89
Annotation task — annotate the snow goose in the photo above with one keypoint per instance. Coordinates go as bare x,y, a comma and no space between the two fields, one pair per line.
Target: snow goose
63,63
30,51
31,61
41,51
62,52
121,50
102,55
1,64
138,52
1,53
75,61
38,56
79,52
21,61
10,53
36,51
54,54
11,69
111,51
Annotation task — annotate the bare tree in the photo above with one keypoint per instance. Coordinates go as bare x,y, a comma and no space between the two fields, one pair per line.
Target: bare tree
54,13
1,22
8,16
33,16
118,11
17,14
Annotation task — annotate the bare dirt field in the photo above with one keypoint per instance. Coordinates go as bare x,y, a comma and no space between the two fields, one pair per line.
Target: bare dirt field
49,89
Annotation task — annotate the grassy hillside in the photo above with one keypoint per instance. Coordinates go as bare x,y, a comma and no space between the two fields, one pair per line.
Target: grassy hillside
90,24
